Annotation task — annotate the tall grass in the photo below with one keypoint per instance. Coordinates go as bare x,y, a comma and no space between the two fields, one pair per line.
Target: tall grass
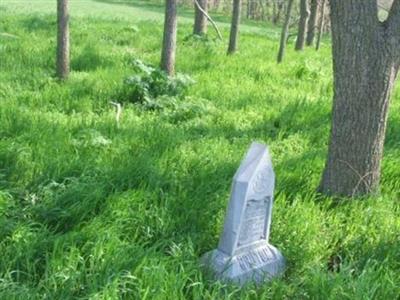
92,210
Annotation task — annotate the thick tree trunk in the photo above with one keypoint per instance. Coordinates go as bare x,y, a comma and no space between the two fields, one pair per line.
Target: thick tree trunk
285,31
169,38
62,39
301,33
320,24
234,34
200,20
366,59
312,22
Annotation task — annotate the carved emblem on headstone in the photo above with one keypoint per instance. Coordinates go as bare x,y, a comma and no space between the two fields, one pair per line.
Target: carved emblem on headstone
243,252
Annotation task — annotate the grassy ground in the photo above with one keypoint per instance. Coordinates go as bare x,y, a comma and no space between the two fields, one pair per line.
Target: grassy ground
89,210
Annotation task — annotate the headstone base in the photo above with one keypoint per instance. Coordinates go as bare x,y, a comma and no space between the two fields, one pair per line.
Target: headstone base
256,265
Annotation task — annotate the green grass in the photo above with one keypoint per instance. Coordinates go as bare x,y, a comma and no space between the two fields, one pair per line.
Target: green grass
89,210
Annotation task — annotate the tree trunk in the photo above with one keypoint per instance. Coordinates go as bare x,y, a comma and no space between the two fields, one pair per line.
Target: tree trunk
216,5
285,31
366,60
200,20
253,9
312,22
263,10
268,11
320,24
62,39
234,34
274,12
169,38
277,12
301,33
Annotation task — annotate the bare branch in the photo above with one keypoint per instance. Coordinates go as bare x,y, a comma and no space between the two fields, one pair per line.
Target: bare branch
208,18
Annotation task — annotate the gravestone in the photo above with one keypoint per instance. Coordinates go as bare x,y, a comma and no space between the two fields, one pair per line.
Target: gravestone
243,252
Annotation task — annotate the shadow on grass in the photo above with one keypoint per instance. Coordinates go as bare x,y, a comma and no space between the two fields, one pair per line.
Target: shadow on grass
39,23
148,6
74,189
183,11
310,120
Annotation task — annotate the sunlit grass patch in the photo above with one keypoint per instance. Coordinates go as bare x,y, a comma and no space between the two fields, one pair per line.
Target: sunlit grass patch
95,209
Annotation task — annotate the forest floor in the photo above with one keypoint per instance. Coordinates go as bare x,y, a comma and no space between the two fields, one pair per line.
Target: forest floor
92,210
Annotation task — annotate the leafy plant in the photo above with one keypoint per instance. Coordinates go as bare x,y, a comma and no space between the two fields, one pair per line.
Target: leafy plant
177,110
150,83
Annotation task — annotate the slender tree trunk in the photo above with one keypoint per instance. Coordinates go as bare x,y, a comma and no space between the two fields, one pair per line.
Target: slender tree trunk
267,12
200,20
285,32
253,9
248,9
234,34
263,10
312,22
62,39
366,60
216,5
320,24
274,12
277,12
169,38
301,33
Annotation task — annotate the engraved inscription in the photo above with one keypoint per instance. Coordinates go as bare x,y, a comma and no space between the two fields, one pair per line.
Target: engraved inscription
250,260
254,224
260,185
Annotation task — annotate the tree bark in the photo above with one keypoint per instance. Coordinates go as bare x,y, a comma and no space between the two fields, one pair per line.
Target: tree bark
169,38
301,33
252,9
208,18
262,11
285,31
278,7
216,5
320,25
274,12
312,22
200,20
62,39
366,60
234,34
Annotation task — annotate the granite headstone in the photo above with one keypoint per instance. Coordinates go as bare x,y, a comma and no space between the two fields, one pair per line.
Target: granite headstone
243,252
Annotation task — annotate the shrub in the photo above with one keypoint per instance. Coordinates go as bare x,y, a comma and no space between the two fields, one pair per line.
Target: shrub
152,89
150,83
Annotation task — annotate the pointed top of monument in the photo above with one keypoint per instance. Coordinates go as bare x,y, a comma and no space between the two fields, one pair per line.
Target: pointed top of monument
255,155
